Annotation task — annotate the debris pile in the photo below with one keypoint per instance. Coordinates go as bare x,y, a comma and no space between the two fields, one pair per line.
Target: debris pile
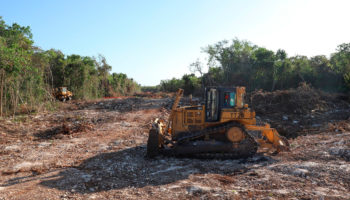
153,95
124,104
299,111
341,126
301,101
58,132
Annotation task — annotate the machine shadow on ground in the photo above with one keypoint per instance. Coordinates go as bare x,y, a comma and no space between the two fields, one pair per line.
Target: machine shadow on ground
129,168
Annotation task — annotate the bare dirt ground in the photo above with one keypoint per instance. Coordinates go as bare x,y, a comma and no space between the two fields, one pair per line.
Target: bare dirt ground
96,150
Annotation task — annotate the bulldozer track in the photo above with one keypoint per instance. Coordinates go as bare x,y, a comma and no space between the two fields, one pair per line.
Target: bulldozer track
186,136
244,149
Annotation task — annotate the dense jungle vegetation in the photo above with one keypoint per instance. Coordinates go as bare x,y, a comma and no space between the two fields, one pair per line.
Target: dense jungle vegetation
28,74
241,63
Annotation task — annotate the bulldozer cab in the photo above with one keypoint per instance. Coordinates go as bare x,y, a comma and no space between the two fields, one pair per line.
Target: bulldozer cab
62,94
218,98
62,89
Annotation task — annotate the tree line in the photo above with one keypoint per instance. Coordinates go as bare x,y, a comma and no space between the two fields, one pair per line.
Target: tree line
28,74
241,63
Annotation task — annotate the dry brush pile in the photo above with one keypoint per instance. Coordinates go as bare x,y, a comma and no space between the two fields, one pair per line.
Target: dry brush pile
301,110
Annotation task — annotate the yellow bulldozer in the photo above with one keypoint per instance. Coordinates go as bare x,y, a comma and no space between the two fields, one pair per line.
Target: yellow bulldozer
62,94
223,127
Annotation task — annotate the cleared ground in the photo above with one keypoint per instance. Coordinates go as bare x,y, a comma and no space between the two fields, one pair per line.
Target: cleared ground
96,150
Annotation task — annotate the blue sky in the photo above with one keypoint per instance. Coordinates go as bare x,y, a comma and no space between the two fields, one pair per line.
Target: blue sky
155,40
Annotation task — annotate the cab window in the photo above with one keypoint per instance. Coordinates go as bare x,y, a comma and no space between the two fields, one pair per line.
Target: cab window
229,99
212,105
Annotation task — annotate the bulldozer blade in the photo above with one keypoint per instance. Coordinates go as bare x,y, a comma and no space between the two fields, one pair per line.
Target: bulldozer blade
269,138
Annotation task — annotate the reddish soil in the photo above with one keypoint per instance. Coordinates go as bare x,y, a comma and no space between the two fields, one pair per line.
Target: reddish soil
96,150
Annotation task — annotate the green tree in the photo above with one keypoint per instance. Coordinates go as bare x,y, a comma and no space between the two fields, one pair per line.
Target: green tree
341,62
323,75
15,59
263,68
282,70
103,69
57,64
235,59
190,83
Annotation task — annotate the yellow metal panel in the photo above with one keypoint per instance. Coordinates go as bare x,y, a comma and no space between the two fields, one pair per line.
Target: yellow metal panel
240,91
193,117
229,115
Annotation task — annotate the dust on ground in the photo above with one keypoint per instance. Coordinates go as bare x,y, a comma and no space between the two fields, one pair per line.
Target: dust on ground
96,150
